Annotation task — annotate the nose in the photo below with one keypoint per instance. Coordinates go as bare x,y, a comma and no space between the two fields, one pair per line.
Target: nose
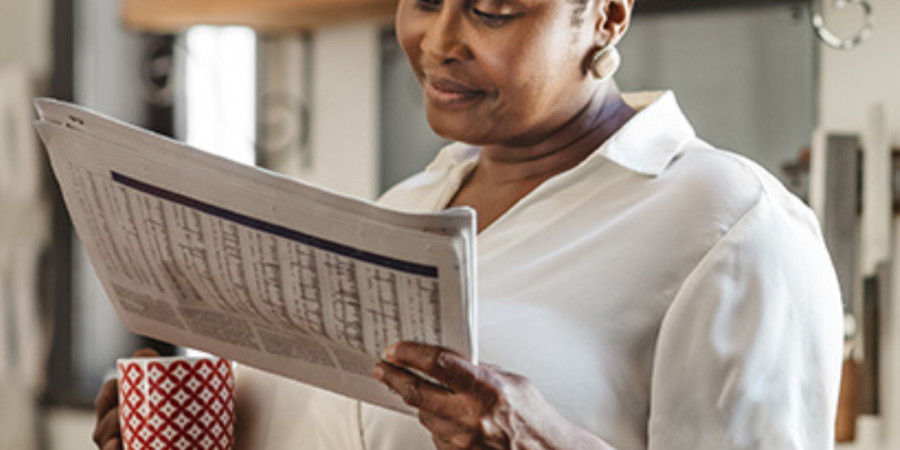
445,38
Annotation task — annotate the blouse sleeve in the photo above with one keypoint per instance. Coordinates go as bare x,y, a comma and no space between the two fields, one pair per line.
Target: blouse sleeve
749,352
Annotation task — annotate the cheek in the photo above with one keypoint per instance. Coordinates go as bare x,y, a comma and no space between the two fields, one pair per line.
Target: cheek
409,34
520,74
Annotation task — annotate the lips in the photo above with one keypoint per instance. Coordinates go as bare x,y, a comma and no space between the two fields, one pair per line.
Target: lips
449,92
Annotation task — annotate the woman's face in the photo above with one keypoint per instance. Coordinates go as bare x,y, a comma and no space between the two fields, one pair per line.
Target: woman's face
501,72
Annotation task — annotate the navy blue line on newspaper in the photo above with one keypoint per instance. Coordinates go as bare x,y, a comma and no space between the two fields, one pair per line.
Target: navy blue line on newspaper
266,227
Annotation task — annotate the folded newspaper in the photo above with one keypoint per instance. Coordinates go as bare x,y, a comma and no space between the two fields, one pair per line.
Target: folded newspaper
246,264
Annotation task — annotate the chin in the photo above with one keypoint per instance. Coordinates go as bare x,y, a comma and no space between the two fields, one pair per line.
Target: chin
456,130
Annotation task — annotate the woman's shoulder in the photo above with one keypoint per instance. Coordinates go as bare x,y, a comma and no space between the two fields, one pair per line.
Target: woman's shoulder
730,185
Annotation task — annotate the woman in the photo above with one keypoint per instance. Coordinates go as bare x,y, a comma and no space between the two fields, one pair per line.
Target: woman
638,288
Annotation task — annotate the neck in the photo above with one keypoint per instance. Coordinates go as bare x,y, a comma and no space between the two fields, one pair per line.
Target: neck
561,148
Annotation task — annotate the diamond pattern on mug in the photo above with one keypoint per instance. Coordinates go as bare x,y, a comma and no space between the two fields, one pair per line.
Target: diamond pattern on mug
169,433
181,405
168,409
184,444
156,421
206,395
196,431
182,421
158,444
193,384
181,397
168,385
194,408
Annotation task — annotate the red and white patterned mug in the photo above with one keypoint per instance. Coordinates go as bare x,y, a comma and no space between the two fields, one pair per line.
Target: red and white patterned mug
176,403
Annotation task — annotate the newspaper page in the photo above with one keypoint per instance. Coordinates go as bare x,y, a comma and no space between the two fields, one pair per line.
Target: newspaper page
249,265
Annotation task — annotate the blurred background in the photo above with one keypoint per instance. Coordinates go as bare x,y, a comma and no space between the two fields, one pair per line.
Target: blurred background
319,90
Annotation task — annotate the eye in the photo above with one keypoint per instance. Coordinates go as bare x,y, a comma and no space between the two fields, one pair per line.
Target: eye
495,13
429,5
493,19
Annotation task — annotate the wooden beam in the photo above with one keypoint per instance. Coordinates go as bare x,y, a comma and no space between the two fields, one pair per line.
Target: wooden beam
168,16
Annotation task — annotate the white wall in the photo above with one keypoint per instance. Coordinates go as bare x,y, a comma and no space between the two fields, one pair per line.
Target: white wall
344,108
25,34
24,44
850,83
749,89
330,84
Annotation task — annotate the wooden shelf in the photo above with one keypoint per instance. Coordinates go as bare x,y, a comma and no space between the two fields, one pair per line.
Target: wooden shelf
168,16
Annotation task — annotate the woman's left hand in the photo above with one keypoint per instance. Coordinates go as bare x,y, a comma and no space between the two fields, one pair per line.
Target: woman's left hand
470,406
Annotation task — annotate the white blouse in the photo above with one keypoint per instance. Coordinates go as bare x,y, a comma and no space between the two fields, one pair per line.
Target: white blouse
663,295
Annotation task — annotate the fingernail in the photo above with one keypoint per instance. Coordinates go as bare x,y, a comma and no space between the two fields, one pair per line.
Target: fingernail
378,372
389,352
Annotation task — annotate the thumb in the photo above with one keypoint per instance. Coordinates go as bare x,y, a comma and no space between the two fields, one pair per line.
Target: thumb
145,353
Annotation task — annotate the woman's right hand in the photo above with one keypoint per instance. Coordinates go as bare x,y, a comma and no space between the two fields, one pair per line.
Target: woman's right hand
107,435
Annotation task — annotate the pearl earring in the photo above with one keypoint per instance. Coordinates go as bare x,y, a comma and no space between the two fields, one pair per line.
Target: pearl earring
605,63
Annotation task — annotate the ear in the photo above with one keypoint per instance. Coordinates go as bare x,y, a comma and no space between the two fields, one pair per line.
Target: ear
613,18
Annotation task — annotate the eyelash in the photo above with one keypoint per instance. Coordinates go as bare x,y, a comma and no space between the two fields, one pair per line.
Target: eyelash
429,5
492,20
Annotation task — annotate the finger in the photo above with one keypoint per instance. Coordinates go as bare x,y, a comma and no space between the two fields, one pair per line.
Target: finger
441,443
427,396
145,353
112,444
461,375
453,411
414,390
440,363
107,398
419,356
107,428
449,432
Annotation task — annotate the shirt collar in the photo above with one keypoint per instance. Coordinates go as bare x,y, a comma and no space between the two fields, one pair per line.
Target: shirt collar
649,141
646,144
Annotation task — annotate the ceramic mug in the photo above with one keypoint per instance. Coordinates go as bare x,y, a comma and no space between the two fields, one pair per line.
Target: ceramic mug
176,403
